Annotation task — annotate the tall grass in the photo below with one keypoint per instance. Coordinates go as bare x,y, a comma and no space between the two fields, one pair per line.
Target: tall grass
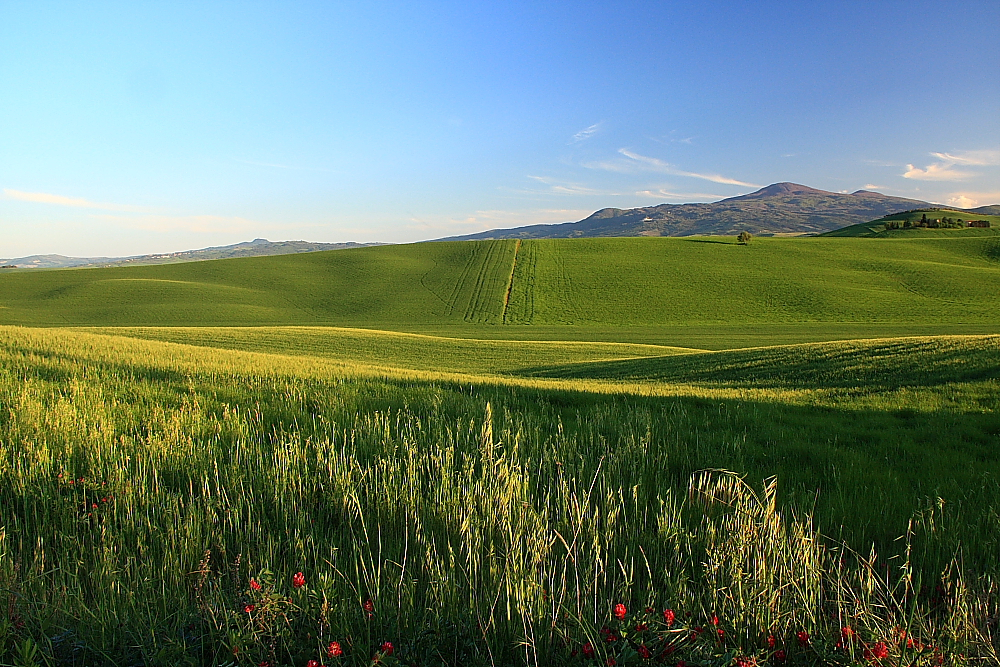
485,524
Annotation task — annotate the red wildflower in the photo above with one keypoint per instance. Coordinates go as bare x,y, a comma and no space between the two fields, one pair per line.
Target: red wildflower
715,620
641,627
334,650
880,651
771,641
588,650
299,580
605,631
669,616
780,656
682,664
803,637
847,632
369,606
312,663
721,633
264,663
388,648
620,611
611,637
611,662
644,652
249,608
254,585
744,661
649,610
93,506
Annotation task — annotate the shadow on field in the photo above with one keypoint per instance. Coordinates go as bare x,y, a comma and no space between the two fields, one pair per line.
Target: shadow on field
872,365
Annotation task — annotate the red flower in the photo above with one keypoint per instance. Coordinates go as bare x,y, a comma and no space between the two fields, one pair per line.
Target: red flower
388,648
254,585
611,662
649,610
588,650
847,632
264,663
771,641
312,663
299,580
880,651
611,638
620,611
780,656
334,650
715,620
249,608
641,627
803,637
644,652
669,616
369,606
721,633
682,664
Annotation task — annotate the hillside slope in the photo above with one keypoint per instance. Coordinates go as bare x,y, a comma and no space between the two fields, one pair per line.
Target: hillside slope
782,208
640,282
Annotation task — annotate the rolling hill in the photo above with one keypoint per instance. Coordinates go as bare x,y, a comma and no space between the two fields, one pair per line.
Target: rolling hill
781,208
619,289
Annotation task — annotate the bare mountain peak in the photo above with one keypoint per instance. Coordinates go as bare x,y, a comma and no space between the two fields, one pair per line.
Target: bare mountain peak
783,190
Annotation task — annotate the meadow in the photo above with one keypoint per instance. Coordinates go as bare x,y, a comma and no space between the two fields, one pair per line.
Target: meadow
552,446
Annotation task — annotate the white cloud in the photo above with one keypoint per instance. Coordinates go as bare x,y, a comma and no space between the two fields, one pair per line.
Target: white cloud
60,200
494,219
872,186
961,201
938,171
585,134
974,158
637,162
663,193
945,169
199,224
973,199
567,188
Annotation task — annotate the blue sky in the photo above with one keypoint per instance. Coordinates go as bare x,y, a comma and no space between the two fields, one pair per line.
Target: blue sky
151,127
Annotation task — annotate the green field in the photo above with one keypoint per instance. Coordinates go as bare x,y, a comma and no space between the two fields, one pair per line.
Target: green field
854,286
495,443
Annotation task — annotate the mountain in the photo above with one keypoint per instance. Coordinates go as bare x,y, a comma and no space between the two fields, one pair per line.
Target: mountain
255,248
781,208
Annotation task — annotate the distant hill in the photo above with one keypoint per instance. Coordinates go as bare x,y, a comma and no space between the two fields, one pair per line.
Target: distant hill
879,228
782,208
255,248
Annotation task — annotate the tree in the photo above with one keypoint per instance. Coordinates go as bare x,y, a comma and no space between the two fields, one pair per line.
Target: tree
744,238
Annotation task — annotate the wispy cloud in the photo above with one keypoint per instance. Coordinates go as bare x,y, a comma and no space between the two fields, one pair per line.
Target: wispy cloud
61,200
637,162
663,193
945,170
972,158
199,224
558,187
872,186
495,219
585,134
938,171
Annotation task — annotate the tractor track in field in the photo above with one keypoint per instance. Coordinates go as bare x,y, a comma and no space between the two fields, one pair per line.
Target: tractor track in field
510,283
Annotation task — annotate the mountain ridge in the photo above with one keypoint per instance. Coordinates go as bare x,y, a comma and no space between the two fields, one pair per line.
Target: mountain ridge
780,208
255,248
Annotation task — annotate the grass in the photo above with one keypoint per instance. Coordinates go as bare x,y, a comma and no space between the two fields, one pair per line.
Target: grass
492,519
497,443
628,287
